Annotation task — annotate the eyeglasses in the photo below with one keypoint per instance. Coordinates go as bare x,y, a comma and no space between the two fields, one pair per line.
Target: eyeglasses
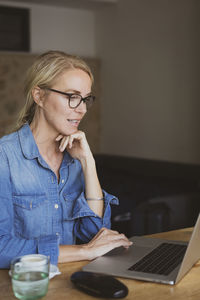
75,99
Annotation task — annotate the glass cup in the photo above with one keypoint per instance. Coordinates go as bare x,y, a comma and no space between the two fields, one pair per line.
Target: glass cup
30,276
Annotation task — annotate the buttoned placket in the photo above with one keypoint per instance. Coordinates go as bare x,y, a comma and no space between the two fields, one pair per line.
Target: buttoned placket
54,189
54,203
63,173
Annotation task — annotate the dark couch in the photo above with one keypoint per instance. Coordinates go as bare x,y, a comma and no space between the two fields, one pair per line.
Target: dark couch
154,196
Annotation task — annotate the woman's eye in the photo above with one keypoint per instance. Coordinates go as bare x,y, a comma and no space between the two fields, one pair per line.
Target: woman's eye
75,98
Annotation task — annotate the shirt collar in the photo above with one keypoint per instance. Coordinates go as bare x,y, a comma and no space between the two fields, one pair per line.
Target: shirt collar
30,148
27,141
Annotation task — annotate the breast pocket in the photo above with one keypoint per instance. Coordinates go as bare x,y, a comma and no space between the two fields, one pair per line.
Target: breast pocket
30,215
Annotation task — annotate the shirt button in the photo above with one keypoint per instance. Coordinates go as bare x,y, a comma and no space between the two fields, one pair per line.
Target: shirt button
62,181
57,233
56,206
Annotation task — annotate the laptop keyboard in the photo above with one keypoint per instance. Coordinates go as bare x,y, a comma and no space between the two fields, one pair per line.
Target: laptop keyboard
162,260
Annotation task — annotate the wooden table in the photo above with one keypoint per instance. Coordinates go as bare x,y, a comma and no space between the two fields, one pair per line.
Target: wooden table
60,287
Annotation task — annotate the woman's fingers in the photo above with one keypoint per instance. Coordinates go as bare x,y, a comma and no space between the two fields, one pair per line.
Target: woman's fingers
106,240
105,232
59,137
67,141
71,139
102,249
64,143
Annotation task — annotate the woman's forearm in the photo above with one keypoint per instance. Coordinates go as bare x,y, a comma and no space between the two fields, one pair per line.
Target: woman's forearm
93,191
68,253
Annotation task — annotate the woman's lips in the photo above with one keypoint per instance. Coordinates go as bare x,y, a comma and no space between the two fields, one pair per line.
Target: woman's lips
74,122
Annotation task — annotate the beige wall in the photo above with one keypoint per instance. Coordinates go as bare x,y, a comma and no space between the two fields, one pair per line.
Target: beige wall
150,79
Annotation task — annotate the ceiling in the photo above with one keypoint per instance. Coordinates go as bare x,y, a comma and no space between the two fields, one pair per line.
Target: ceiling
87,4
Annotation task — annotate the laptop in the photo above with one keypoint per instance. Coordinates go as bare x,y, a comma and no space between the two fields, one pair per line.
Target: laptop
151,259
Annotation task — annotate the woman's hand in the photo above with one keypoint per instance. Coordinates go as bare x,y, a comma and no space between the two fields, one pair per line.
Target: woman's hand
76,144
104,241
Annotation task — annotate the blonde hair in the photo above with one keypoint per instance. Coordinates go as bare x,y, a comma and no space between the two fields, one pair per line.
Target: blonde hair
43,73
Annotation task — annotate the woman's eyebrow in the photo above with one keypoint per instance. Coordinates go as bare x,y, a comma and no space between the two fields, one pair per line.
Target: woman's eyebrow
72,91
77,92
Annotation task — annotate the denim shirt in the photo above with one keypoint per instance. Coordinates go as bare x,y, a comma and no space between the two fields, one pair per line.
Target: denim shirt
37,213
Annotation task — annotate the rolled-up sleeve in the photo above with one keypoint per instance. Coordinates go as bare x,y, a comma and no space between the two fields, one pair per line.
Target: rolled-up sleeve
87,222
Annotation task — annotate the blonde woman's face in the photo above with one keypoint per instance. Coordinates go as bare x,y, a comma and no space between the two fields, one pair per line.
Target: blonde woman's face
59,117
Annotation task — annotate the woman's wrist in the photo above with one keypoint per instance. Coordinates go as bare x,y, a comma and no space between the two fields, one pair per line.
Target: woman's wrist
86,252
68,253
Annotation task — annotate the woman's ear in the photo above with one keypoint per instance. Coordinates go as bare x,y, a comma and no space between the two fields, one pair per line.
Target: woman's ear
37,96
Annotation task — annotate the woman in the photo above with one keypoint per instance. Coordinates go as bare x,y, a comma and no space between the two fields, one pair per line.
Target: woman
50,193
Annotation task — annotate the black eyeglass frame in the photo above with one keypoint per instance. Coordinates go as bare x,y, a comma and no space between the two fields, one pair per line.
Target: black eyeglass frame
85,99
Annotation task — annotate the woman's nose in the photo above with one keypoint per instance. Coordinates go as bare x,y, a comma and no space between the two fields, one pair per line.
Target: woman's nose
82,107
